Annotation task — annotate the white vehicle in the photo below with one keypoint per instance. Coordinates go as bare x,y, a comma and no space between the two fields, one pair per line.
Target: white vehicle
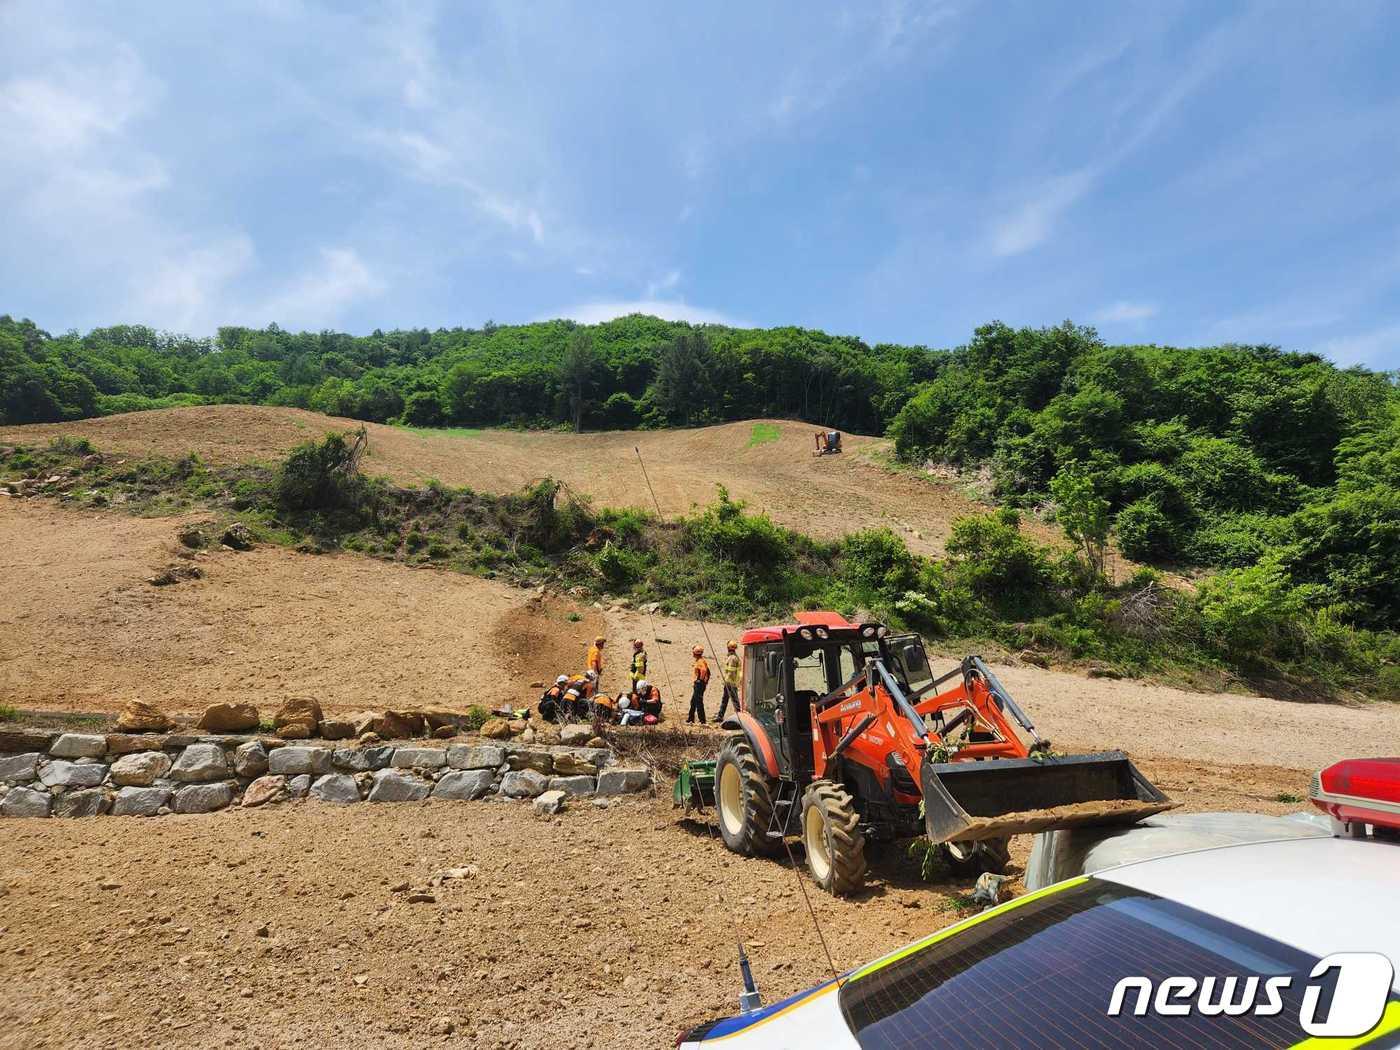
1267,944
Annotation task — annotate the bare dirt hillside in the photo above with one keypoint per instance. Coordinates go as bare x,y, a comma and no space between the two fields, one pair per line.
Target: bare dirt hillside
81,629
825,497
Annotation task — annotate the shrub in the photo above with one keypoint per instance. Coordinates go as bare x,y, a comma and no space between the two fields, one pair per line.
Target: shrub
877,562
1145,533
1082,513
989,556
619,567
751,541
1248,614
477,717
324,475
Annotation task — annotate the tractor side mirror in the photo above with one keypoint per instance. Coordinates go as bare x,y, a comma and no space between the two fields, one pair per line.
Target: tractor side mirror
773,664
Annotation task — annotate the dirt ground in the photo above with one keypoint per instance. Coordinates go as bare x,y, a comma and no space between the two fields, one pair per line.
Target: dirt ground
825,497
82,630
282,928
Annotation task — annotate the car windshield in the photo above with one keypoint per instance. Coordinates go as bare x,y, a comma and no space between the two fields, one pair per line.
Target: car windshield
1044,974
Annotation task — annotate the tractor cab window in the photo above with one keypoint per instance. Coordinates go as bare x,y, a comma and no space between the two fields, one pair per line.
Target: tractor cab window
909,662
761,686
809,673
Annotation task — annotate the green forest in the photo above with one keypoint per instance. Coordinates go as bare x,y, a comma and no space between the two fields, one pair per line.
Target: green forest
1271,477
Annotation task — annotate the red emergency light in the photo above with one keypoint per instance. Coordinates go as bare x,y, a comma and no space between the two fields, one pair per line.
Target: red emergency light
1360,791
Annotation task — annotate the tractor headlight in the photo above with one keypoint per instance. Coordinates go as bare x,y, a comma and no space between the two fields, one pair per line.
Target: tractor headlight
867,630
822,632
882,631
805,634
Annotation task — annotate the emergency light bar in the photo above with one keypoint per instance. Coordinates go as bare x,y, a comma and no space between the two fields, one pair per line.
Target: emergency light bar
1359,791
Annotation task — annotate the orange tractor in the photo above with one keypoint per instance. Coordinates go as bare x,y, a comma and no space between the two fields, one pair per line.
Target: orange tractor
846,737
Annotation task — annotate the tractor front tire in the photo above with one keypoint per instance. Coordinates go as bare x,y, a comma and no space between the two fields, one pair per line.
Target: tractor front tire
970,859
743,799
831,834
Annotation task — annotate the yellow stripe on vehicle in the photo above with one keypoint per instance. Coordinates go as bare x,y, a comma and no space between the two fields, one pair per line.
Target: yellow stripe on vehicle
1388,1024
991,913
811,997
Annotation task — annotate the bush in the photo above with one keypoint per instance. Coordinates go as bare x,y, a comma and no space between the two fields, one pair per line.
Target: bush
876,562
324,475
1145,533
619,567
989,556
751,541
477,717
1249,614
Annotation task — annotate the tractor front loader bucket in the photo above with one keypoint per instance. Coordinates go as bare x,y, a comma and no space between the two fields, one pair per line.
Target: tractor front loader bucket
966,801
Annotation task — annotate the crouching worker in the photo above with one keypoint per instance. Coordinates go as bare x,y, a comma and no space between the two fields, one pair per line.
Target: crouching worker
551,705
580,690
647,699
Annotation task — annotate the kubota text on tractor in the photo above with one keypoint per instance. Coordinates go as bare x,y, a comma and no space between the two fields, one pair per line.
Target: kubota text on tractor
845,731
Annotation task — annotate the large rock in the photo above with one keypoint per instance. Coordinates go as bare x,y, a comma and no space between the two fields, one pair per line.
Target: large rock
137,716
21,740
294,761
573,786
298,719
202,798
464,784
298,787
62,773
229,718
265,789
571,765
128,744
336,787
483,756
25,802
496,729
337,729
524,783
79,745
549,803
238,536
392,785
541,761
361,759
200,762
250,759
622,781
91,802
139,801
141,769
400,725
19,769
574,735
419,758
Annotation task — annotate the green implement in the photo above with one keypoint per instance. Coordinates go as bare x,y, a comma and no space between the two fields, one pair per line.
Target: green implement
695,787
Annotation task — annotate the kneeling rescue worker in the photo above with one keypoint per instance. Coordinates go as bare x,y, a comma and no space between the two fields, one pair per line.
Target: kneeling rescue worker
551,705
702,679
648,698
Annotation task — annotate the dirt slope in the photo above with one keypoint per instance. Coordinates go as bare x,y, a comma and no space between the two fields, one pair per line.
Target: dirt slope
82,630
825,497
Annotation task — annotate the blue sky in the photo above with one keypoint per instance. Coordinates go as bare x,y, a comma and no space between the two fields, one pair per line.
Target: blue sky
1174,173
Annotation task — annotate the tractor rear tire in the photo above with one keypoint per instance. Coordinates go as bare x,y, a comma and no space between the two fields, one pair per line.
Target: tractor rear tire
970,859
833,839
743,800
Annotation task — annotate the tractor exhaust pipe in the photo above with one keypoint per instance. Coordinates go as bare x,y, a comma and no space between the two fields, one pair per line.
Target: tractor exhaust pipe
996,798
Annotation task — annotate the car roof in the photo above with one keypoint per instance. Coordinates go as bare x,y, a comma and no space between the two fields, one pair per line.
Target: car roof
1320,895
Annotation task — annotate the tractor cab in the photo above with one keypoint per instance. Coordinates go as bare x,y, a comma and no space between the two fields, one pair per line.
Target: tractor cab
788,669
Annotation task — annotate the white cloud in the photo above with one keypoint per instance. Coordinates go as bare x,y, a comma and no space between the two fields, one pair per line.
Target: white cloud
663,284
186,291
1378,348
321,294
1125,312
1032,222
596,313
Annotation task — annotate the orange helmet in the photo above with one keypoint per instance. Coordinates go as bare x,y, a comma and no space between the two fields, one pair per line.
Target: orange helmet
698,650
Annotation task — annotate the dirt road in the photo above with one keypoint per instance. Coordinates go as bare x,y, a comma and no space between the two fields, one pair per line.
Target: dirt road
825,497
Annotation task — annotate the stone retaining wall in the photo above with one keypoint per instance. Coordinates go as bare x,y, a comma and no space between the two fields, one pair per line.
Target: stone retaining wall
45,773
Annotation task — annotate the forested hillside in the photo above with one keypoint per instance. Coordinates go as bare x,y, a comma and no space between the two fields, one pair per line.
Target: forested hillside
1278,470
634,371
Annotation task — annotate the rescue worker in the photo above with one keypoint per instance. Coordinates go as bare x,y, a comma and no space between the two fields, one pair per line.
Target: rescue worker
576,695
595,656
730,679
697,692
551,705
648,698
639,662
